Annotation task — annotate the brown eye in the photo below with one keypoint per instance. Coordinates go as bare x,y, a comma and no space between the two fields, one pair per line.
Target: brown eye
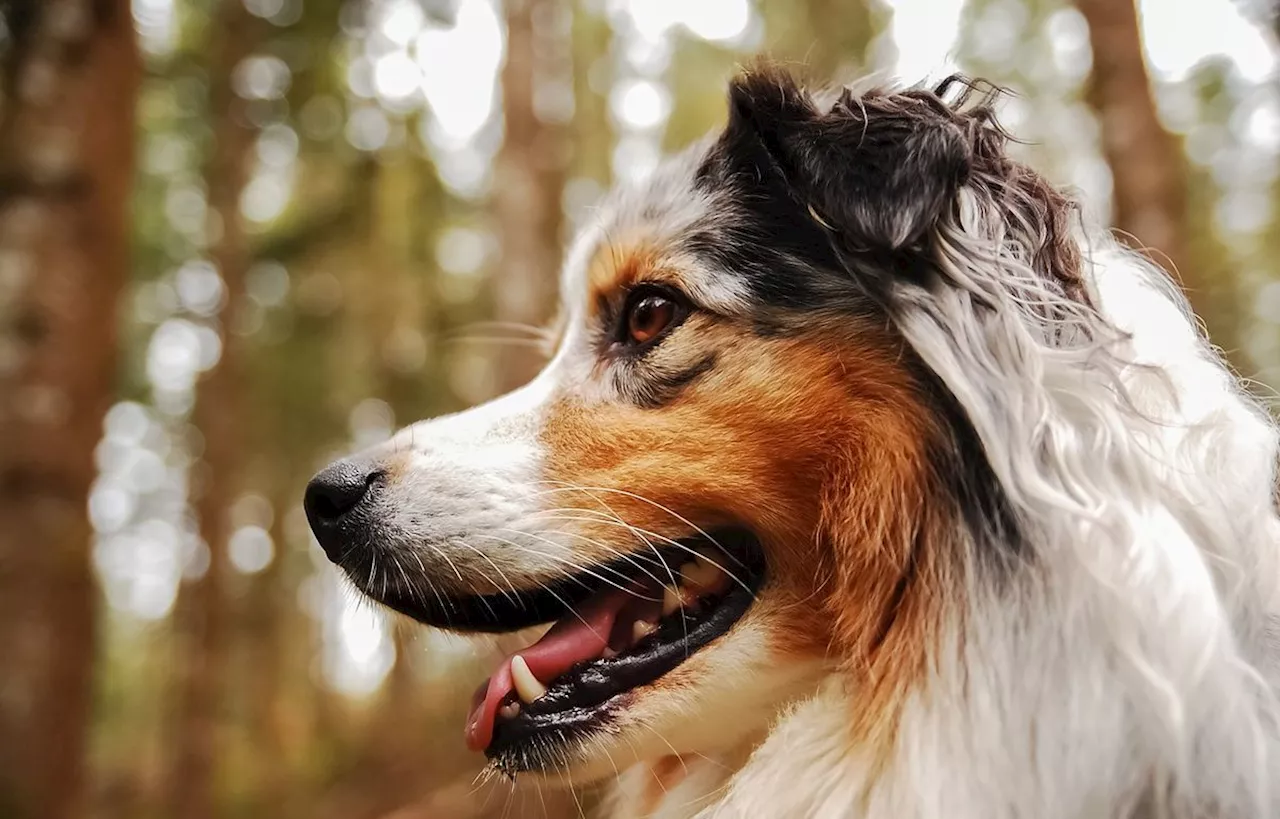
648,316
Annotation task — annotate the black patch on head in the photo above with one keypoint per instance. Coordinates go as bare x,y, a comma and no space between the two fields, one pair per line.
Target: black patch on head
759,230
816,206
853,189
833,208
878,168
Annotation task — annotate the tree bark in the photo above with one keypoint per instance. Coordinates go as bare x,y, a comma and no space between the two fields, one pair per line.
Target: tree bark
529,179
70,77
202,609
1148,168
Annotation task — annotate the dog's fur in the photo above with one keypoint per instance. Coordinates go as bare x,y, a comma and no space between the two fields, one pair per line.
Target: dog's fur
1018,516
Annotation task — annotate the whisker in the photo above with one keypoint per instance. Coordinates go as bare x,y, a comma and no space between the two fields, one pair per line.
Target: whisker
573,792
661,560
541,799
432,586
514,342
492,614
513,596
693,552
583,569
565,486
629,558
395,561
514,326
548,589
645,724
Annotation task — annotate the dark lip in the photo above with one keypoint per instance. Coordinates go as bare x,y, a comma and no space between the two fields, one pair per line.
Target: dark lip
589,695
585,698
509,611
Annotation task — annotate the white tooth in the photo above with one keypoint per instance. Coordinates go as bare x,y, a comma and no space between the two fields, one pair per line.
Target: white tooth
509,710
609,653
671,600
527,685
701,577
641,629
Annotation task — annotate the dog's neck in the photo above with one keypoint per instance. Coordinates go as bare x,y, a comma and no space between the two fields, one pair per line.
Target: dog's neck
676,786
804,767
1022,738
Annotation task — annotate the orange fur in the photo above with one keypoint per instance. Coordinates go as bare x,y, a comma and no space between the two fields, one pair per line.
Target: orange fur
817,443
666,774
618,265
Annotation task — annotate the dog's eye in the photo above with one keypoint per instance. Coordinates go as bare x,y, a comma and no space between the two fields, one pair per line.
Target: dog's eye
648,315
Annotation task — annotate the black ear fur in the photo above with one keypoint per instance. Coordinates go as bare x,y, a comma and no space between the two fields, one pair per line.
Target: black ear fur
878,169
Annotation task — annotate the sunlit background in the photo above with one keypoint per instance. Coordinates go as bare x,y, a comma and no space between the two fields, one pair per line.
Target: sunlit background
428,85
377,232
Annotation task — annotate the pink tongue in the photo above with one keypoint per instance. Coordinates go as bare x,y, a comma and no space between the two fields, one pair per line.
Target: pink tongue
573,639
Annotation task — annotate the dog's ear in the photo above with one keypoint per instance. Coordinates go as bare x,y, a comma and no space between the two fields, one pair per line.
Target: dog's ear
879,169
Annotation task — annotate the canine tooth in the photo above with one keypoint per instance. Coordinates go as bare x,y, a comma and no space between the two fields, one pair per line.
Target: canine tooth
509,710
608,653
671,600
641,629
527,685
701,576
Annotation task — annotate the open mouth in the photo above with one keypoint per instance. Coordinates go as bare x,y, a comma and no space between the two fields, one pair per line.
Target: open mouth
615,627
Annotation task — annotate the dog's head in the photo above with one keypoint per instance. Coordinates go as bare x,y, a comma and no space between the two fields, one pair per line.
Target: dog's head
725,483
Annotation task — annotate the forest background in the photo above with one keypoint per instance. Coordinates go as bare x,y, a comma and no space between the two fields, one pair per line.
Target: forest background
241,237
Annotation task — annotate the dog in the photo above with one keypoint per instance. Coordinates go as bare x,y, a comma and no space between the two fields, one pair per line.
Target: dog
866,480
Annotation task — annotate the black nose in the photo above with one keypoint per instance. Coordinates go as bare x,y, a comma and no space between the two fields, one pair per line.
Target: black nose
334,502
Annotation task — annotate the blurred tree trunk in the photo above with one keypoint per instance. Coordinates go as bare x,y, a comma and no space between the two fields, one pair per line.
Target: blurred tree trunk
529,177
263,632
70,77
1150,198
397,755
201,614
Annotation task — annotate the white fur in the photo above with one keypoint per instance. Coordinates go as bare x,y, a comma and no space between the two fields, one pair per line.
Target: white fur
1125,668
473,501
1123,674
658,210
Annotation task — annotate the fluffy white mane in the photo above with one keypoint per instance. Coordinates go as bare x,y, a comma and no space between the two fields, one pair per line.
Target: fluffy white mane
1129,677
1124,663
1126,668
